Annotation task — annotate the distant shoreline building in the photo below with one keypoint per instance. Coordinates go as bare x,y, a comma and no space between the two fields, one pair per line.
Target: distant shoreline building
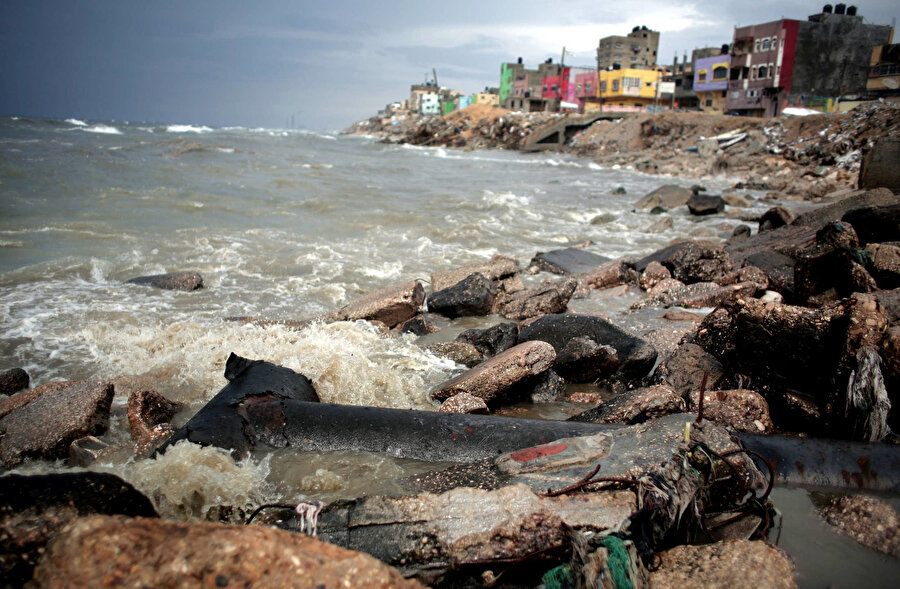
711,81
637,50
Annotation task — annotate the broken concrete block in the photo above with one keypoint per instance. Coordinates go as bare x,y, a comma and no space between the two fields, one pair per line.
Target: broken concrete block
391,306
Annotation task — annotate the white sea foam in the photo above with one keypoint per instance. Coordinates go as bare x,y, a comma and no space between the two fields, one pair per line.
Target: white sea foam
225,149
76,122
188,129
102,129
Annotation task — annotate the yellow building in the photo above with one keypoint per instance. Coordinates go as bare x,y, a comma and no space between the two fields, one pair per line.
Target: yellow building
627,89
485,98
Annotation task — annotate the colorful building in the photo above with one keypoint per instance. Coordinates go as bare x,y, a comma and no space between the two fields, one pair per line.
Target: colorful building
587,91
884,73
801,63
509,73
629,89
711,82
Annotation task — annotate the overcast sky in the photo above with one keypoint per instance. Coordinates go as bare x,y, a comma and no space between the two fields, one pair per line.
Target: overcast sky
327,63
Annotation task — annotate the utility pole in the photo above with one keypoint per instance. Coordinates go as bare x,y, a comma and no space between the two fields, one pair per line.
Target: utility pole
562,59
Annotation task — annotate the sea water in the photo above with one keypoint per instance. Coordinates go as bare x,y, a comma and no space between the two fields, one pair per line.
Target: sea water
282,224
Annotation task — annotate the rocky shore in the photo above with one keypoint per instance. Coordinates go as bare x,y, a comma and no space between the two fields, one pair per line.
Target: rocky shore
770,357
814,157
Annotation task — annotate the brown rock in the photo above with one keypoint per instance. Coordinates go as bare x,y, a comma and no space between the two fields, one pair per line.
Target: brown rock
669,196
464,403
660,226
699,261
13,381
460,352
187,281
683,371
147,445
732,564
744,410
879,165
46,426
391,306
104,550
497,268
653,275
677,315
885,266
536,302
869,521
421,324
12,403
610,274
147,409
635,406
694,296
492,378
774,218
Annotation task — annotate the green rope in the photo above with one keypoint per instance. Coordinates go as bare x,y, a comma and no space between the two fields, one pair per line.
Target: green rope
617,562
558,578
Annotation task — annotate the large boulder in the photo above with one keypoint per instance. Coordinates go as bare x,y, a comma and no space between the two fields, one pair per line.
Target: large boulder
186,281
875,224
669,196
221,422
636,357
391,306
47,423
571,260
472,296
108,550
34,508
683,371
610,274
493,379
879,165
705,204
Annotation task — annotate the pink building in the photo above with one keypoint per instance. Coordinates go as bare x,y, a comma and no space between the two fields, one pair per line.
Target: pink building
586,88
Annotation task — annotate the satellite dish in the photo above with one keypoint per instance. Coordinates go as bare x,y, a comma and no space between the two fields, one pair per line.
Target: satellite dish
890,83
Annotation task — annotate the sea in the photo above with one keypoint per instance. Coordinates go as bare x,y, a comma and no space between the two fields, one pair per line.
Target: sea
291,224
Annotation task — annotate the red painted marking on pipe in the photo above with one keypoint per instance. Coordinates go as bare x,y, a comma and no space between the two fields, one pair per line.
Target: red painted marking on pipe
470,430
537,452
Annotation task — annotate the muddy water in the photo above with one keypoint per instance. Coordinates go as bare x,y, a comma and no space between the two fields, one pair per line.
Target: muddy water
281,225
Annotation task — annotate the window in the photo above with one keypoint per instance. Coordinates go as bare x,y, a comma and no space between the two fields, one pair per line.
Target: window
709,102
765,44
603,86
545,88
578,87
756,46
774,42
720,72
724,93
615,85
701,76
588,86
753,73
770,70
761,72
630,82
782,43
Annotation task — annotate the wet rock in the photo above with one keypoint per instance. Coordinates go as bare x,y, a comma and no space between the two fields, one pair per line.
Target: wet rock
13,381
493,340
636,357
34,508
472,296
871,198
683,371
731,564
736,200
584,360
885,264
148,444
460,352
879,165
774,218
565,261
875,224
147,409
186,281
778,268
653,274
491,379
610,274
705,204
748,273
536,302
669,196
421,324
497,268
671,293
23,398
678,315
391,306
740,409
102,550
547,387
221,422
822,268
660,226
464,403
636,406
699,261
44,427
740,233
870,521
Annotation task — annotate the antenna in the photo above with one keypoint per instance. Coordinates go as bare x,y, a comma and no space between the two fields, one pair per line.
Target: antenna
434,71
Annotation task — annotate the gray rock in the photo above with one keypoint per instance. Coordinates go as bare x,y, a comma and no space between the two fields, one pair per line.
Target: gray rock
187,281
683,371
669,196
44,427
460,352
493,340
635,406
584,360
636,357
566,261
705,204
496,376
472,296
536,302
497,268
660,226
774,218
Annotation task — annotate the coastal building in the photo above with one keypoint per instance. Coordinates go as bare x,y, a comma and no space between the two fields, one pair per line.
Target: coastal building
587,91
489,98
509,73
430,103
711,81
628,90
808,63
637,50
884,73
526,93
416,91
